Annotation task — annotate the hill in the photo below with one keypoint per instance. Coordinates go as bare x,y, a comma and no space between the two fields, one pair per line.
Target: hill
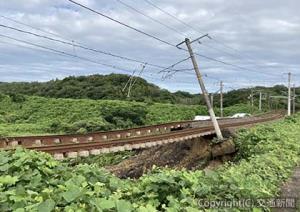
99,87
109,87
31,115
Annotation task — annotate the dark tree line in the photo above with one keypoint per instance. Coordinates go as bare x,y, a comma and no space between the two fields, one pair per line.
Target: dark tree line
99,87
110,87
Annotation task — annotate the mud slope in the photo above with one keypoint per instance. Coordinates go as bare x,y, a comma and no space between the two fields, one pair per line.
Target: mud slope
197,153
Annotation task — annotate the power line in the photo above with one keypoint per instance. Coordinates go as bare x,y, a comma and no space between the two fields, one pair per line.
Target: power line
68,43
47,49
168,73
64,53
193,28
225,45
52,52
33,27
183,22
173,29
217,49
173,65
153,19
235,66
216,60
121,23
163,41
87,48
81,46
173,16
238,56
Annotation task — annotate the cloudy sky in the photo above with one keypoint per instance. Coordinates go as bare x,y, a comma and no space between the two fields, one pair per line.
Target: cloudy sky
261,39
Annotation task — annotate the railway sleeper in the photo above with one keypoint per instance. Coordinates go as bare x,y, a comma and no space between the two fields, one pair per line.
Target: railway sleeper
105,150
95,152
225,147
83,153
14,143
72,154
128,147
58,156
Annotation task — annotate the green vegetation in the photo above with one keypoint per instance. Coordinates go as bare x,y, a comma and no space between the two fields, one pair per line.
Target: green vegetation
101,160
32,181
109,87
36,115
27,115
99,87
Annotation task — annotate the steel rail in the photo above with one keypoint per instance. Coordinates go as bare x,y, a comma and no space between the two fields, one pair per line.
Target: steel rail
111,135
63,148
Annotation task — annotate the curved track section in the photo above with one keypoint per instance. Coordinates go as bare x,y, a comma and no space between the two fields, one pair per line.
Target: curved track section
71,146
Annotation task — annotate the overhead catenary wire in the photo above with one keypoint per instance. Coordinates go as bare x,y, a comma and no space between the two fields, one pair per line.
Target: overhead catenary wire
184,23
135,79
69,55
129,80
206,58
171,28
173,65
26,46
125,58
173,16
197,30
149,17
233,65
62,53
33,27
159,39
72,41
123,24
73,44
216,49
65,53
177,31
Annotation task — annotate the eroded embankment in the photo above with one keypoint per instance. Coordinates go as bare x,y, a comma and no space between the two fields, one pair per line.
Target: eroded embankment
198,153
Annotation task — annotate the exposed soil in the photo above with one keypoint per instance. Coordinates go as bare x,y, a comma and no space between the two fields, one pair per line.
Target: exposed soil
291,189
197,153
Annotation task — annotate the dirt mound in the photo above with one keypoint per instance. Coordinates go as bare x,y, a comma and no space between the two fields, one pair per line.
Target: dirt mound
194,154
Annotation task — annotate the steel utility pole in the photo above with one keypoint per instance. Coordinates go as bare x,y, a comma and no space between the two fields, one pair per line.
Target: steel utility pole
289,94
221,98
260,98
202,86
252,102
294,99
269,102
212,100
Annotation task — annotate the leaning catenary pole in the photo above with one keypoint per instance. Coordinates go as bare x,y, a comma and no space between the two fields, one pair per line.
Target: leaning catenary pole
212,100
202,86
260,98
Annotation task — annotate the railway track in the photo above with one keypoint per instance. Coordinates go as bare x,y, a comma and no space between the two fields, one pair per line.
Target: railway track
32,141
85,146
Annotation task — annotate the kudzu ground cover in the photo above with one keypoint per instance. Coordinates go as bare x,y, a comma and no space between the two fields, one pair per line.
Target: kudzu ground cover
33,115
33,181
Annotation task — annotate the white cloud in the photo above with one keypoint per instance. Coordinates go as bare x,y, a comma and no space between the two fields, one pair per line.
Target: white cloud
266,34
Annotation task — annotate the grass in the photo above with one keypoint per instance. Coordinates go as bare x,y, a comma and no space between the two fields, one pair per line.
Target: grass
32,115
